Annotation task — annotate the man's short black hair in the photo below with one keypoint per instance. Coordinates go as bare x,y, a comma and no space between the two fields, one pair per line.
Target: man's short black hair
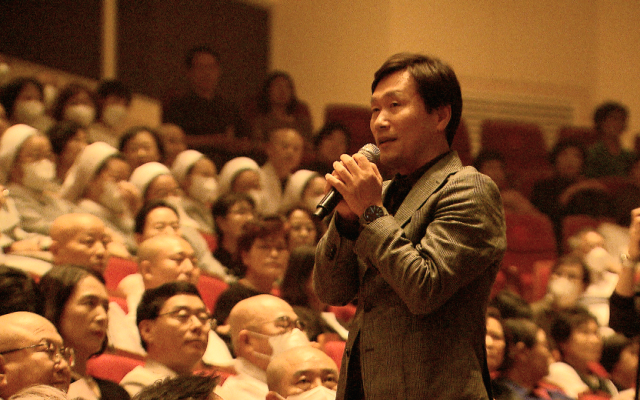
113,87
141,216
183,387
153,300
517,330
18,292
191,54
603,111
437,84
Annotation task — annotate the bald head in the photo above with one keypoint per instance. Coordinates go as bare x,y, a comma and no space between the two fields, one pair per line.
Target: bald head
286,370
167,258
24,365
80,239
255,311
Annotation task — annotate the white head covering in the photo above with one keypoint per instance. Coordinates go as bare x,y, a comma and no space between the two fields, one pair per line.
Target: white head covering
183,163
84,169
295,186
10,144
146,173
231,169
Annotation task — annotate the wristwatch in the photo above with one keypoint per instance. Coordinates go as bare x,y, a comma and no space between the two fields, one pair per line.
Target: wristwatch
371,214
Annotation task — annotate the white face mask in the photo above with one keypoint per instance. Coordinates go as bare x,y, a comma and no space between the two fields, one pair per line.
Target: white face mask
38,175
317,393
203,189
598,260
111,197
284,342
81,113
565,292
114,114
27,112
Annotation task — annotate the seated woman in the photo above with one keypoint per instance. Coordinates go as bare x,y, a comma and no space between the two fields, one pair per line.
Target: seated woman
241,175
196,175
304,229
68,139
23,103
99,185
296,289
26,164
76,302
330,143
264,253
278,107
494,342
141,145
575,333
113,99
75,103
304,188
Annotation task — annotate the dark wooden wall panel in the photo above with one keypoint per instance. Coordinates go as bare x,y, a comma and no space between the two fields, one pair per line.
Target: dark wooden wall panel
62,34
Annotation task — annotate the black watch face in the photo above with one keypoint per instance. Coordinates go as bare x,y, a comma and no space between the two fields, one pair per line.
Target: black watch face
373,212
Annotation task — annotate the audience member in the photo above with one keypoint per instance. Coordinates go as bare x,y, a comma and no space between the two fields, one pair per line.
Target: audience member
212,124
304,229
261,327
304,188
526,363
279,107
98,184
23,103
302,372
578,372
18,292
330,143
113,99
196,175
264,253
75,103
68,139
231,212
568,281
620,360
607,157
13,239
76,302
140,145
511,305
284,154
241,175
81,240
32,353
26,164
185,387
296,289
174,340
174,142
492,164
494,342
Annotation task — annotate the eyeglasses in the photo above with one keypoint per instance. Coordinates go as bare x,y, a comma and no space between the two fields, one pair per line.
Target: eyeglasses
286,323
184,316
55,352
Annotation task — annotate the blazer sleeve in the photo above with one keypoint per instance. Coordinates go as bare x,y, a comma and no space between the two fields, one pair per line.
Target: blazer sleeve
451,239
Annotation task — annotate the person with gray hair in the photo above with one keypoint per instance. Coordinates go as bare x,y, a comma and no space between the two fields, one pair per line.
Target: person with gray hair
40,392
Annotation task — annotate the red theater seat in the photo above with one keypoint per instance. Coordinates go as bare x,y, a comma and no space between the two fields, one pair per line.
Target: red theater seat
112,367
118,268
335,349
210,289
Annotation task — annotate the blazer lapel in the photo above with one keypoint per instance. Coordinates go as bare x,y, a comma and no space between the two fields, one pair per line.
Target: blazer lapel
426,186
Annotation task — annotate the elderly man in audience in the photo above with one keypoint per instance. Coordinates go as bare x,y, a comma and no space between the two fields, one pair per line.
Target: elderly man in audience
526,363
31,353
81,240
174,325
261,327
302,372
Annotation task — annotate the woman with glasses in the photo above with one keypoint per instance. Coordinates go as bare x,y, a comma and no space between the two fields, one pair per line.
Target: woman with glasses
76,302
264,253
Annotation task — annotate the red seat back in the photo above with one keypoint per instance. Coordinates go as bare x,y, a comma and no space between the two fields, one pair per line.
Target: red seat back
112,367
118,268
210,289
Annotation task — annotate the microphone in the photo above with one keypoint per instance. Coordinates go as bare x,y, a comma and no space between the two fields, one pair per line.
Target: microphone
333,197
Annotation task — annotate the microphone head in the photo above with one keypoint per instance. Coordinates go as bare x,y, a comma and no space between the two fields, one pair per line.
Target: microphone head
371,151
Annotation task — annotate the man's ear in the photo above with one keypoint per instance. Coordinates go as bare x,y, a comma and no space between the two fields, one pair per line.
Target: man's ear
444,116
146,330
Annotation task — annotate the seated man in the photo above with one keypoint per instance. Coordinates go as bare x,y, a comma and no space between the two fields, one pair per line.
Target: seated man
261,327
162,259
526,362
303,369
80,240
174,340
31,353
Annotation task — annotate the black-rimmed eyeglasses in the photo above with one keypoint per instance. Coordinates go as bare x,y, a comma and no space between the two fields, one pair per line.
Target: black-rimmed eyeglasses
54,351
